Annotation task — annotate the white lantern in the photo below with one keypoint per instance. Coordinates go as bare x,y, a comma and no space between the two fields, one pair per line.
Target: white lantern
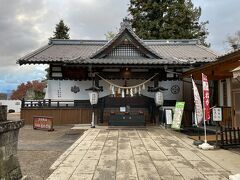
93,98
159,98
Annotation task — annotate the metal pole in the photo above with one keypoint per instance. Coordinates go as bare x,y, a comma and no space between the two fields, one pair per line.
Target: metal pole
204,123
93,118
205,131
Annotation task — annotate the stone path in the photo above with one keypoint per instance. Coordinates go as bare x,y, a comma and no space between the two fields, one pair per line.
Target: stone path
142,154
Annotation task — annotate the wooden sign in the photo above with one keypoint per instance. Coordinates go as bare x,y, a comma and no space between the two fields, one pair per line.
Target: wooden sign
177,117
217,114
43,122
168,115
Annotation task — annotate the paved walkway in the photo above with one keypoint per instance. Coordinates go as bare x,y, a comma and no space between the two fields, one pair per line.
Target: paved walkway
143,154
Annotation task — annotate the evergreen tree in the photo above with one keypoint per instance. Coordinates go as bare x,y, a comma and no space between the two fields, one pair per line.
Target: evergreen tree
167,19
61,31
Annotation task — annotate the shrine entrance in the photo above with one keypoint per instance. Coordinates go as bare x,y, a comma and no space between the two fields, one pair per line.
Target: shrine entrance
127,111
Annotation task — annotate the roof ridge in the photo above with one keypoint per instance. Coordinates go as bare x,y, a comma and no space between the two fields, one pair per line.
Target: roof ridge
75,41
171,41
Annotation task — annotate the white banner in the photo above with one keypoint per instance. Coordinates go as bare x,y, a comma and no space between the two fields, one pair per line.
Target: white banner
198,104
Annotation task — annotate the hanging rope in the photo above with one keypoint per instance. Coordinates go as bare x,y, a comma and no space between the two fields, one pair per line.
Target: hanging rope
141,85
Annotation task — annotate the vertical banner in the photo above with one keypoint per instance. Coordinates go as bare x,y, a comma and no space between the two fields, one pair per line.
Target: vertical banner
206,101
198,104
177,117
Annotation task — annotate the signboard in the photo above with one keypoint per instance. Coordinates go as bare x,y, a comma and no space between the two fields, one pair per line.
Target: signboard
177,117
206,101
168,114
43,122
217,114
122,109
159,98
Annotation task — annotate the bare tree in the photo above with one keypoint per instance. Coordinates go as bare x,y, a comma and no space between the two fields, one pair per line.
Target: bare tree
234,41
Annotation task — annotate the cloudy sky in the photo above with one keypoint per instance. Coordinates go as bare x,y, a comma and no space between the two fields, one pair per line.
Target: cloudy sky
26,25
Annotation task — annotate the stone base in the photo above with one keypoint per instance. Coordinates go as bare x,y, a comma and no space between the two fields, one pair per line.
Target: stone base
9,164
206,146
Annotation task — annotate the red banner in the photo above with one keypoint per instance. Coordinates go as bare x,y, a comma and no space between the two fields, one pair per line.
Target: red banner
206,101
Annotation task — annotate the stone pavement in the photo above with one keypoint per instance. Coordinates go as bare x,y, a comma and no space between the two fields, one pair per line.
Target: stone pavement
144,154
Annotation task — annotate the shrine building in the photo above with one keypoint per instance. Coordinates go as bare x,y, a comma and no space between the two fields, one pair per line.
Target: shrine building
126,71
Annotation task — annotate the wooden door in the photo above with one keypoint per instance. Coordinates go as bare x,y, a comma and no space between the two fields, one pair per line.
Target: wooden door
236,106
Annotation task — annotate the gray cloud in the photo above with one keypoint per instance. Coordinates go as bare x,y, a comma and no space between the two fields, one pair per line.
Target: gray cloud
27,24
223,21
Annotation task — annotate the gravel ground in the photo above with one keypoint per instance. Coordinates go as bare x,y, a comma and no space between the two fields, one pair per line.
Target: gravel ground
38,149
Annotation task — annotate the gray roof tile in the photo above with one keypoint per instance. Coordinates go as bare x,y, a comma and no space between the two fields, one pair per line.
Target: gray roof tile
125,61
72,51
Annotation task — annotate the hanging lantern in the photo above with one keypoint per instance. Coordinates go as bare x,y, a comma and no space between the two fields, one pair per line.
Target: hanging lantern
159,98
143,87
139,89
123,94
93,96
127,92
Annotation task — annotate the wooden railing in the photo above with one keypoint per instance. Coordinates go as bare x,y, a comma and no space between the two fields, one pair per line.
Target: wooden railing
53,104
229,137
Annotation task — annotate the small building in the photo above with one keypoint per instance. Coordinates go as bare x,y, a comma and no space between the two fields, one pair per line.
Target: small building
126,71
225,74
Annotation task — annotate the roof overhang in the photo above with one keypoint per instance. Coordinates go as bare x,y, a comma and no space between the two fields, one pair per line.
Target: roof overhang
236,72
220,69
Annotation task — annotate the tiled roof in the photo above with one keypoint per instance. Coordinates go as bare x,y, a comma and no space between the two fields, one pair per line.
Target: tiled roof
126,61
80,51
192,52
125,29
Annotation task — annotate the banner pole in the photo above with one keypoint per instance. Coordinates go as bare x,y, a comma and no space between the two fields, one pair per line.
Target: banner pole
204,123
205,145
205,131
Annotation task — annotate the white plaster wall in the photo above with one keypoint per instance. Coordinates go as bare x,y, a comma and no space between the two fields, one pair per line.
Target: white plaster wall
61,89
12,104
168,95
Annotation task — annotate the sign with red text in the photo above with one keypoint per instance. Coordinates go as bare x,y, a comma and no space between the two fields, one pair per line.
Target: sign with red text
43,122
206,101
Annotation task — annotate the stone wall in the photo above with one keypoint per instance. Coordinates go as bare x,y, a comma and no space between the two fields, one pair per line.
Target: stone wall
9,165
3,113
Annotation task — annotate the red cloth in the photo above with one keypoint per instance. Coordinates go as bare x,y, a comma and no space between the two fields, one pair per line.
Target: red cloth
206,101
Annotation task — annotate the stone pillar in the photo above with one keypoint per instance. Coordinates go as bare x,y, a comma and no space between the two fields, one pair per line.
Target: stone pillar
3,113
9,165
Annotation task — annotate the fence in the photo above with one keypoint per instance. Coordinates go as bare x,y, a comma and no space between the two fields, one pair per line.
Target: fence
229,137
55,104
